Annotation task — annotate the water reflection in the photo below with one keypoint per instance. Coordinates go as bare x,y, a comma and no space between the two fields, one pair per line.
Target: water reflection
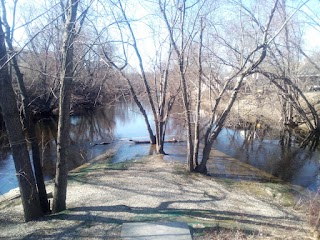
93,127
114,124
85,131
118,123
46,131
282,158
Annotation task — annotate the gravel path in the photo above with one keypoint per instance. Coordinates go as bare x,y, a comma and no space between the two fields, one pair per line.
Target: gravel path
102,196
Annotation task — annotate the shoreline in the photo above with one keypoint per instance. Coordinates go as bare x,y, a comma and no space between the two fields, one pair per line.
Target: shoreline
102,196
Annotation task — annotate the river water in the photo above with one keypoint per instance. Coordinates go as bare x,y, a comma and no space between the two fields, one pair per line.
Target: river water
121,122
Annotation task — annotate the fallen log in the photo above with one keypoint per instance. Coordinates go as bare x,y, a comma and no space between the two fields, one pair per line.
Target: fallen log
100,143
148,141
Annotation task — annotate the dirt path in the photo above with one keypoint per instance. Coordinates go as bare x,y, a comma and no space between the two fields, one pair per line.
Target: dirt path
102,196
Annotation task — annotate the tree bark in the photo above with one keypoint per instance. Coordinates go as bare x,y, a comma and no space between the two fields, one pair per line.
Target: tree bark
28,190
247,68
153,138
208,142
183,81
67,71
164,106
27,119
197,120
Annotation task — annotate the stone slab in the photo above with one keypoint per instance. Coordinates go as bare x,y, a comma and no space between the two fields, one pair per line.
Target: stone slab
155,231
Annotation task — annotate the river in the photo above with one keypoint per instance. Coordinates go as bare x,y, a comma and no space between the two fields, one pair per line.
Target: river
119,123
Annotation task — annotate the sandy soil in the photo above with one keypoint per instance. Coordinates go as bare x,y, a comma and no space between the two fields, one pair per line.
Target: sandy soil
102,196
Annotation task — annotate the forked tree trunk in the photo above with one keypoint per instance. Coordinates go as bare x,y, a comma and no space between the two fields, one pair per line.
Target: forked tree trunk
61,178
180,51
164,107
28,190
27,119
214,129
202,168
198,106
30,126
158,111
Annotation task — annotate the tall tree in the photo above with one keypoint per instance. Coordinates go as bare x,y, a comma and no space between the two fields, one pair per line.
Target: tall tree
180,46
283,69
26,117
27,186
157,95
63,139
247,67
198,99
242,57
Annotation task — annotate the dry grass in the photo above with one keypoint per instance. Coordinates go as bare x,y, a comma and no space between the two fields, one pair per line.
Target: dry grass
218,233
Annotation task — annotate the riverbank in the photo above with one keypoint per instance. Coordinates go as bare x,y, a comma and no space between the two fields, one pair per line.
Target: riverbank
102,196
264,108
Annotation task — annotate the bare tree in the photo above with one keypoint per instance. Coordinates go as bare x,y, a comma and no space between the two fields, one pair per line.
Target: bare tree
244,64
249,64
27,118
27,186
160,103
180,51
66,77
198,100
282,68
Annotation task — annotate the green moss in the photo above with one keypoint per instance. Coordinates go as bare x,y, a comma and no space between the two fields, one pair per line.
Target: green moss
108,165
60,215
277,191
226,182
82,172
284,193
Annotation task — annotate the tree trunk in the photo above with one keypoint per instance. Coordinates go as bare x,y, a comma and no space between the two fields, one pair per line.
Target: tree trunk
27,120
143,112
160,137
143,76
180,51
187,110
28,190
212,137
60,187
152,137
202,167
214,130
197,120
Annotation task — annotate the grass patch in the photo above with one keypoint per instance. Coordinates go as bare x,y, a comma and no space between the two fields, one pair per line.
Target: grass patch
221,233
227,182
97,167
282,193
279,192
